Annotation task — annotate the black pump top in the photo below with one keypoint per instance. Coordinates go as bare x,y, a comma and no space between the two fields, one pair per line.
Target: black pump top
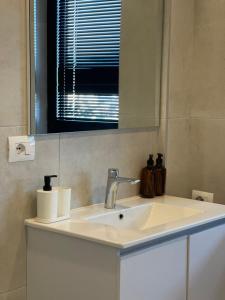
47,180
159,160
150,162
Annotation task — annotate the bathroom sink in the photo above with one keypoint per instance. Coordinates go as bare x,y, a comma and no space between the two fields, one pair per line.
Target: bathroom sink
136,220
144,217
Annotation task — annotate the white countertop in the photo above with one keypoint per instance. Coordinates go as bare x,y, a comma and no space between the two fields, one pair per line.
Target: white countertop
79,227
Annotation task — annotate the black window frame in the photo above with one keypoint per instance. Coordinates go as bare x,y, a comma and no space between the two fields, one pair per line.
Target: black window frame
53,124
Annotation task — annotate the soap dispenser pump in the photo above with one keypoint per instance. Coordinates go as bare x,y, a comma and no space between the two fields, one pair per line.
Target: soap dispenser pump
147,179
47,201
150,162
160,176
47,180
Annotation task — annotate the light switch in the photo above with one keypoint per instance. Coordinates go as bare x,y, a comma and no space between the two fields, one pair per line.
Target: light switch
21,148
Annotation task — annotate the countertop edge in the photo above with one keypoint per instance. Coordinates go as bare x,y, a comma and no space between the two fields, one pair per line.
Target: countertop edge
135,245
192,229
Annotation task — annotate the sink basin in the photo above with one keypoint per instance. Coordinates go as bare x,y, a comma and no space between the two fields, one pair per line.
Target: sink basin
144,216
136,220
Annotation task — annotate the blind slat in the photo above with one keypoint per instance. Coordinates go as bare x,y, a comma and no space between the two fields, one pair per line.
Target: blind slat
88,38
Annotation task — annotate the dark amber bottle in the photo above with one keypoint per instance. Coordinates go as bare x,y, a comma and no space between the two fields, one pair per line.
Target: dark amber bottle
160,176
147,179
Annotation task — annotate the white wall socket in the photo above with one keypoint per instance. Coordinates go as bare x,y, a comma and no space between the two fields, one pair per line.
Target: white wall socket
202,196
21,148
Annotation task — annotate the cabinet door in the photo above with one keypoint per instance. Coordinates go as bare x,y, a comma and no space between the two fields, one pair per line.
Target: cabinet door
156,273
207,265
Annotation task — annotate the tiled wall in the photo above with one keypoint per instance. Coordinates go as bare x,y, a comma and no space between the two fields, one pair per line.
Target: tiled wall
196,124
180,87
196,116
208,98
81,160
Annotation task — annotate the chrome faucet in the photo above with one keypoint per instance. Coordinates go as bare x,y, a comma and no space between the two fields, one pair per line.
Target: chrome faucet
112,186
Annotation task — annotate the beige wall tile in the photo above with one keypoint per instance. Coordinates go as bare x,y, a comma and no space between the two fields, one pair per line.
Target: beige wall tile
209,11
85,159
19,182
208,98
208,102
180,103
199,97
13,63
208,140
209,56
181,49
178,158
180,93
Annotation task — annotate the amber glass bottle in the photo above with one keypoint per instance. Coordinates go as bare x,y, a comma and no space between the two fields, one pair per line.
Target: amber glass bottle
160,176
147,179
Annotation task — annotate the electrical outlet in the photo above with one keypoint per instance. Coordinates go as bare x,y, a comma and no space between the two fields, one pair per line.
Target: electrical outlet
21,148
202,196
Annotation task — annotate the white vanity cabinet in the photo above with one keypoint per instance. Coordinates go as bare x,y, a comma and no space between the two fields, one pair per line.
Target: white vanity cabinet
177,252
62,267
156,273
207,265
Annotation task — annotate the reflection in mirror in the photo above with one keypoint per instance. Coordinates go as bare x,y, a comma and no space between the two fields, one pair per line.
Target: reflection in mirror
95,64
140,63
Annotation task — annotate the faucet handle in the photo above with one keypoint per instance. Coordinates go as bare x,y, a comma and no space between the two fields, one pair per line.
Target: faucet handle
113,173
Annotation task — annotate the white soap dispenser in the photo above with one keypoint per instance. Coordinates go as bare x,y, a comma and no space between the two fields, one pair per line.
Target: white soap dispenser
64,199
47,201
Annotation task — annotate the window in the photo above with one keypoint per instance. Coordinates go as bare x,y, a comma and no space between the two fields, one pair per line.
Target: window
83,64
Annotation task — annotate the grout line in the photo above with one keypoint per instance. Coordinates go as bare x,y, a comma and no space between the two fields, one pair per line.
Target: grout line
13,290
196,118
207,118
178,118
13,126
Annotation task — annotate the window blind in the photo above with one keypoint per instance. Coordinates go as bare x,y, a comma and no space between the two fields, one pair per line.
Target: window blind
88,48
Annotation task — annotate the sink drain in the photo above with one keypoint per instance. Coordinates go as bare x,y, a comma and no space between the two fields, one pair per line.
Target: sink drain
121,216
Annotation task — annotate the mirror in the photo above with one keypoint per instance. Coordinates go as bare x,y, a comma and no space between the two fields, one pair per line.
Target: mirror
94,64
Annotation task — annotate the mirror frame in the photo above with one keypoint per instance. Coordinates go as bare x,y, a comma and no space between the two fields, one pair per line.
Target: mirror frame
160,109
